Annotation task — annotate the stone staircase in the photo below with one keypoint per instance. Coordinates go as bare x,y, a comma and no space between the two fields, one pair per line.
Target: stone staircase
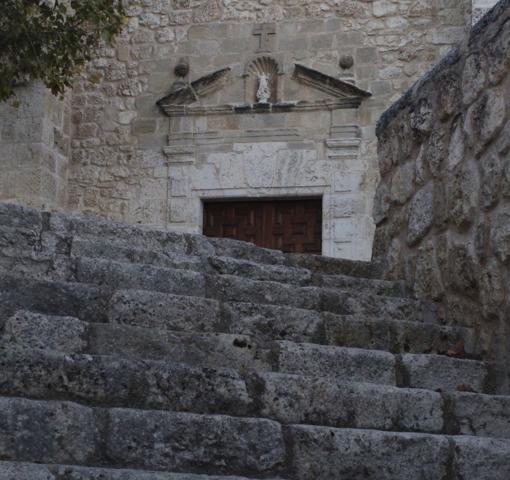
133,354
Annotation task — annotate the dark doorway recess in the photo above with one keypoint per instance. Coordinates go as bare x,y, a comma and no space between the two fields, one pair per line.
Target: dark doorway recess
293,226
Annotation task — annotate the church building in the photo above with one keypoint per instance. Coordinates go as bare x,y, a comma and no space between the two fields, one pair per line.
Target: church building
246,119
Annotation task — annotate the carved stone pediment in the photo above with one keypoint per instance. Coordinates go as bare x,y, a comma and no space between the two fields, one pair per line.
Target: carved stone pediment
325,83
184,98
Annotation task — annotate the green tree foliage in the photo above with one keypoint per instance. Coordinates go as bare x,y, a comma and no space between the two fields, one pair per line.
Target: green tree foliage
51,40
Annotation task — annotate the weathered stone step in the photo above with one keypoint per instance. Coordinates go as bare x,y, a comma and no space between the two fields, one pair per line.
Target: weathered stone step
396,336
165,311
293,399
130,383
68,433
276,322
66,227
24,254
230,288
53,298
183,313
233,288
32,471
101,278
122,382
344,454
337,266
232,266
247,354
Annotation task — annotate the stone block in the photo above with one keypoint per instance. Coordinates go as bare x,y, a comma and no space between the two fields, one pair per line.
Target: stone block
421,214
436,151
293,399
491,179
46,431
456,150
176,441
463,268
64,334
434,372
122,382
462,193
235,289
482,415
492,289
474,76
163,311
53,298
120,275
485,118
25,471
428,278
383,8
500,233
421,117
345,364
482,458
269,322
402,184
366,55
497,48
331,454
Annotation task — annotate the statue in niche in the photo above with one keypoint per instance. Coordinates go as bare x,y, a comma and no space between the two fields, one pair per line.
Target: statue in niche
264,92
262,80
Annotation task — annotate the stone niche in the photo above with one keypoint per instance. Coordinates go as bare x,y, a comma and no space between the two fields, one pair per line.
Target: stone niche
268,128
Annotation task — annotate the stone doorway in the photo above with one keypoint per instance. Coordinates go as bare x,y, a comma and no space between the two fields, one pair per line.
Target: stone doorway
292,226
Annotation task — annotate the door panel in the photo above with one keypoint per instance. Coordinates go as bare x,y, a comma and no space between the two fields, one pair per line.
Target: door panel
287,225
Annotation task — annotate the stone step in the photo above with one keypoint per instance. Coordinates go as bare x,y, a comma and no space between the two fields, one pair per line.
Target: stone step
159,240
184,313
110,275
337,266
68,433
276,322
66,227
53,298
346,454
233,288
245,353
143,384
32,252
122,382
232,266
32,471
396,336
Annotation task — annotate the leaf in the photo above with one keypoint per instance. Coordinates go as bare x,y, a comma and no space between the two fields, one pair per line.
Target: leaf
52,44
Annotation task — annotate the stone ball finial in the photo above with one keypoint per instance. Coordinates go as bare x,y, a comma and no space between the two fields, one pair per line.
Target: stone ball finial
182,68
346,61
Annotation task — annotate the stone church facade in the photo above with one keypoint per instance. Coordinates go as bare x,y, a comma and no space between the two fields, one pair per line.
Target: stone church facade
232,118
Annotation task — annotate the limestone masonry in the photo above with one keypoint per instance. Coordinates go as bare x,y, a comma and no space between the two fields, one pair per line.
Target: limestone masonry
128,354
151,352
443,205
109,150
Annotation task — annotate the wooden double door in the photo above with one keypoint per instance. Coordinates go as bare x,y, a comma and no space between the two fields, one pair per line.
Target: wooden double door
293,226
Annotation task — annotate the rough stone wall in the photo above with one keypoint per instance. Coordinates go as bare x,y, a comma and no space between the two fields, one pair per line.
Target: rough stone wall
35,132
443,205
118,169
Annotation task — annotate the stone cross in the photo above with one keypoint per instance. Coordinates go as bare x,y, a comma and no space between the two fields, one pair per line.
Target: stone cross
263,31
